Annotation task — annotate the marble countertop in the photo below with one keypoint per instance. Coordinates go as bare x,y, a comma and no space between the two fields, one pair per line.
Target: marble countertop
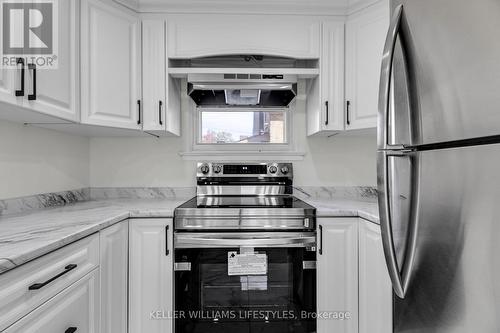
24,237
334,207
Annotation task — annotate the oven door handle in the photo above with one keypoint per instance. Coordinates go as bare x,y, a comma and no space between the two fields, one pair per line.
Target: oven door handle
249,240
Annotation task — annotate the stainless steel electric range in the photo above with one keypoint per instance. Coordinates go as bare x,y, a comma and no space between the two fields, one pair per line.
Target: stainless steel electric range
245,252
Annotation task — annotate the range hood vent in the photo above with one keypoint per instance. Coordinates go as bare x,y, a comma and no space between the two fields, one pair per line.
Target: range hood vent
242,90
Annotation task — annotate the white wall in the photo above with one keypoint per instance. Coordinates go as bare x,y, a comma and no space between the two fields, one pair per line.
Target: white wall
34,160
343,160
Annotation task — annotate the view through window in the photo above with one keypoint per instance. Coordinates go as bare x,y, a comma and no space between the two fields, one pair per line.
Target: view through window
240,127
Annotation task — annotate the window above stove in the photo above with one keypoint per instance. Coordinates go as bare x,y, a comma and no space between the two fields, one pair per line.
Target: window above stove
242,127
244,133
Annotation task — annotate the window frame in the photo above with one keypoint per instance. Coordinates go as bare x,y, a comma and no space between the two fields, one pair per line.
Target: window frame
250,147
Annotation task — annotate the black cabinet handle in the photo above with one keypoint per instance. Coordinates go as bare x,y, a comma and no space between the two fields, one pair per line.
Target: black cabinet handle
160,104
21,91
32,96
71,330
167,252
348,111
320,250
327,113
139,108
67,269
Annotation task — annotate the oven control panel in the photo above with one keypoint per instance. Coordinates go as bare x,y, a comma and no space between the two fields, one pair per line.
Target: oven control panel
261,170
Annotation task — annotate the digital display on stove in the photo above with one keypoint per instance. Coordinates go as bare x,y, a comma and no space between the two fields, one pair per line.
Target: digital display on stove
245,169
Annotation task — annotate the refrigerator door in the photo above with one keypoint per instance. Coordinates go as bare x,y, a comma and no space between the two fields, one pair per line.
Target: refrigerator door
447,57
454,282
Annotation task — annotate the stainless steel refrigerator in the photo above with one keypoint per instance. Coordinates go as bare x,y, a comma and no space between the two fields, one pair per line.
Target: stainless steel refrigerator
439,164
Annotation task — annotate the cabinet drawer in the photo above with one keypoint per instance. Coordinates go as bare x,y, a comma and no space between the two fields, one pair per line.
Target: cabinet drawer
75,310
29,286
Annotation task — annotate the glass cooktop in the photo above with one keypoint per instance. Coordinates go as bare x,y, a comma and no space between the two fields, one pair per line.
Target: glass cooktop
246,202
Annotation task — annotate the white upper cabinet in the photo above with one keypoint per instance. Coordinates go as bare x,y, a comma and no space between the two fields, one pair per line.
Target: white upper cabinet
111,77
10,82
191,36
58,90
325,98
53,92
365,38
160,92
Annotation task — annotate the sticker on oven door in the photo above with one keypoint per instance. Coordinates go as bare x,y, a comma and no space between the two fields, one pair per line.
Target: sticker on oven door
246,263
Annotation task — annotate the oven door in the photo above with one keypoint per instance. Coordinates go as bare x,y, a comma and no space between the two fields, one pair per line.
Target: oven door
245,282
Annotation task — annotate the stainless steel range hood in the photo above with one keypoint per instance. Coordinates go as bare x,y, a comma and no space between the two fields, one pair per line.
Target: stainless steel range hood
242,90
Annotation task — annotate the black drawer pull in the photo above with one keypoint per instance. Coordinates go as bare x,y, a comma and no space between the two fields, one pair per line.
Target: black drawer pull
320,250
139,112
67,269
21,91
32,97
167,252
348,113
160,105
71,330
327,114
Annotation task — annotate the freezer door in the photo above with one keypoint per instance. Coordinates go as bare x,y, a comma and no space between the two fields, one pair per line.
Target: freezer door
454,284
451,71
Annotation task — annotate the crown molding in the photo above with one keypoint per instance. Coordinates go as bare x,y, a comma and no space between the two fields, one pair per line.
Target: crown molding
256,7
356,6
260,7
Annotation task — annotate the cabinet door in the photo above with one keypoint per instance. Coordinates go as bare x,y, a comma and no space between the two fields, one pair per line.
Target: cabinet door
337,270
326,93
154,74
365,37
114,278
160,92
151,275
375,290
57,90
75,309
10,81
110,65
332,73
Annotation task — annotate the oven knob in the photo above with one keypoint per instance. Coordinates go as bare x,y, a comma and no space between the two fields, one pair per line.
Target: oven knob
273,169
285,170
205,168
217,168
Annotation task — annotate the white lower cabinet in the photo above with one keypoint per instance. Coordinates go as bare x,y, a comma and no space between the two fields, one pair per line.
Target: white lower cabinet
151,276
114,278
337,273
375,290
29,286
74,310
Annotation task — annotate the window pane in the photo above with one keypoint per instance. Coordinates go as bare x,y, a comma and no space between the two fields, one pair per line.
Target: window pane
242,127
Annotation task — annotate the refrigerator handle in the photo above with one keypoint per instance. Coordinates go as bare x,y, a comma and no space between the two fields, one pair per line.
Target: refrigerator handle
385,80
386,224
400,277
